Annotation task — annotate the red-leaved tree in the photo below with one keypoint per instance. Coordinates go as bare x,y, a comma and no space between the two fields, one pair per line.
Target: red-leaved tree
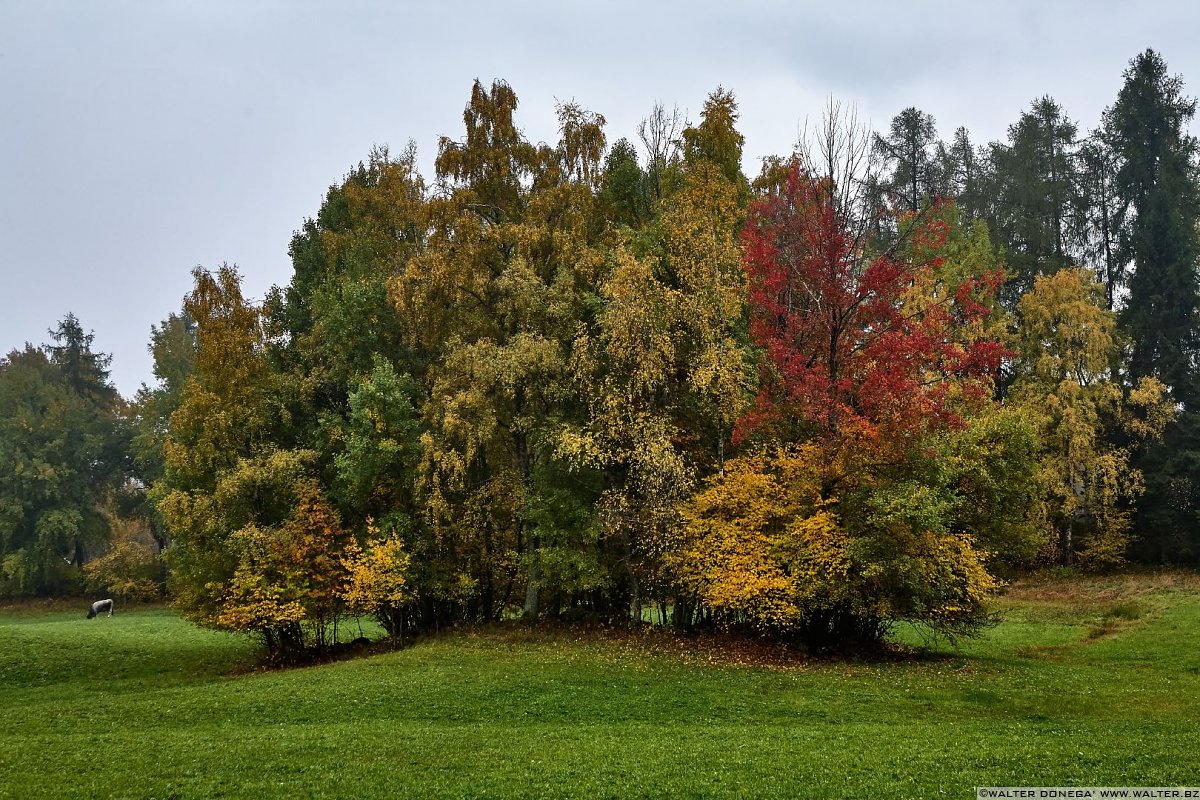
882,476
857,345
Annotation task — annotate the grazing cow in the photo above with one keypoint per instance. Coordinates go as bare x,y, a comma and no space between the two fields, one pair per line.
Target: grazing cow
99,607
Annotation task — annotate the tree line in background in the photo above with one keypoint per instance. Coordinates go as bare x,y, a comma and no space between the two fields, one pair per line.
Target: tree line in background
591,381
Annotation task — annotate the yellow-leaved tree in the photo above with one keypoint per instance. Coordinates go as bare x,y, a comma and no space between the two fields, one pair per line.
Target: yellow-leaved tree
880,478
377,580
496,299
1068,345
256,547
770,545
664,371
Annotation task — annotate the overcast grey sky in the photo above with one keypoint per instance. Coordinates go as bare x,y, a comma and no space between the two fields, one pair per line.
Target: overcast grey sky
139,139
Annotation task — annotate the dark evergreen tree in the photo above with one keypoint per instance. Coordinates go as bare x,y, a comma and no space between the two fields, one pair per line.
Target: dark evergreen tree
63,453
1156,182
963,172
1031,189
624,192
1097,213
84,371
908,154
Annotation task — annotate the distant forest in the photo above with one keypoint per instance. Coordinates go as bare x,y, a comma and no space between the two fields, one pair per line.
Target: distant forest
622,380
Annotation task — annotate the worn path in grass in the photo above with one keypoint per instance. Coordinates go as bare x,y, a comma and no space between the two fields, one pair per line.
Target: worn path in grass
1084,683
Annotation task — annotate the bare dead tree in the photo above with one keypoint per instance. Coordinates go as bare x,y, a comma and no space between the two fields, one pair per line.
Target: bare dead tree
838,150
660,134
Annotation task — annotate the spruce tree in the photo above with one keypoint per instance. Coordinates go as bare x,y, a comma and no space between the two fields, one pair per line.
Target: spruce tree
85,371
908,153
1156,183
1032,185
1156,180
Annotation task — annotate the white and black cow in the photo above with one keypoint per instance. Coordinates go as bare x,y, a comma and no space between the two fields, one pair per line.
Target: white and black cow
99,607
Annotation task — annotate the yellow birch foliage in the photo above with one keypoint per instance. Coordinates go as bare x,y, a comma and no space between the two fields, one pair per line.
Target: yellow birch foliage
258,597
700,224
495,298
1067,344
626,376
768,544
290,574
743,532
376,575
664,372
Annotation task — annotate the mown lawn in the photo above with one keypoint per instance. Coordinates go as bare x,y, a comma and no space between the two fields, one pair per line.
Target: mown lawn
1089,683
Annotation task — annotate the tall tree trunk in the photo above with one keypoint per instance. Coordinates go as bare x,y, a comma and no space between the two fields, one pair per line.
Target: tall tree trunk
532,572
635,588
532,575
1066,545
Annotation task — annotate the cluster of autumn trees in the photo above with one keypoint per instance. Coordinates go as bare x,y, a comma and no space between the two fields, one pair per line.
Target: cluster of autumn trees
576,379
69,518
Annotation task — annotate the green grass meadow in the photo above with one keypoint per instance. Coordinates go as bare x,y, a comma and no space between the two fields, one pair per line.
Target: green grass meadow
1088,682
